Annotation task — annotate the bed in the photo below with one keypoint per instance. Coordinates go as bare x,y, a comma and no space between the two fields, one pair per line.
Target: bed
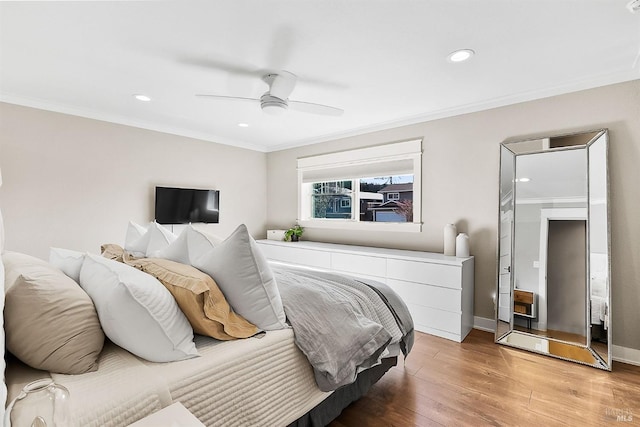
301,374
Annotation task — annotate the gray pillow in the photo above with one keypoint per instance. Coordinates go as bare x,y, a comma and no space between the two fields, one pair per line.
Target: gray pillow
50,322
246,280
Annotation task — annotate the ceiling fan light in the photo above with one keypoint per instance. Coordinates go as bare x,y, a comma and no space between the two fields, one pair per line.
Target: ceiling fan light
272,105
274,109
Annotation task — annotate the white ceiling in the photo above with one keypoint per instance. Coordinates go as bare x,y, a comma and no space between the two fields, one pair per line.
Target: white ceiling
383,62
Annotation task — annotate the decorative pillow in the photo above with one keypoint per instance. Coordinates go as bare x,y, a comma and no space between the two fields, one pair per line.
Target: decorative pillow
245,278
136,311
136,239
199,298
50,322
142,242
159,238
68,261
189,245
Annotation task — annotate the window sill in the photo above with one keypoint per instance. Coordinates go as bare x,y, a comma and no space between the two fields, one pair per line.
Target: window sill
338,224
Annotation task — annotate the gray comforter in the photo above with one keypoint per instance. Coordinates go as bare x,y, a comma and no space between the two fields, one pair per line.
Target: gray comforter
342,325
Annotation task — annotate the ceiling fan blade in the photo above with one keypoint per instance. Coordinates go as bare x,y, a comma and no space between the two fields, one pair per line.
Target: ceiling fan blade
282,84
235,68
310,107
237,98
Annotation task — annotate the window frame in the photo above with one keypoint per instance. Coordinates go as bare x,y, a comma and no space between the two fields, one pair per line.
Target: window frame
408,152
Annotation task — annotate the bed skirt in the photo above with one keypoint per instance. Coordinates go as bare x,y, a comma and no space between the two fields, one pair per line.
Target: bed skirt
330,408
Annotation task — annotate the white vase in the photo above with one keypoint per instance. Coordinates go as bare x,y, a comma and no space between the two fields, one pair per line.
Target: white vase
462,245
450,239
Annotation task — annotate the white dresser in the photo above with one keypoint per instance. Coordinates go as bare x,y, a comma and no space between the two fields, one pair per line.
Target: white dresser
438,289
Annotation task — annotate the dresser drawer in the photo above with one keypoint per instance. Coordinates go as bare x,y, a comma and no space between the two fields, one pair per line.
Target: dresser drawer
437,289
294,255
437,319
449,276
428,296
359,264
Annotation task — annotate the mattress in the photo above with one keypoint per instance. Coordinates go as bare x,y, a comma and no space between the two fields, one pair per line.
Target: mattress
264,380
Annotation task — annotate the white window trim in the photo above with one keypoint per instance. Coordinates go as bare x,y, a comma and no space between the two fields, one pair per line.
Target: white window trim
395,193
406,150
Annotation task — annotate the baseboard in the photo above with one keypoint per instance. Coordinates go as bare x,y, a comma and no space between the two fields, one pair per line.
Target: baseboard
484,324
619,353
625,355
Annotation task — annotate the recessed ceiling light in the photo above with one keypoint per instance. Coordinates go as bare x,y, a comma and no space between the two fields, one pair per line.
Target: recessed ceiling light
141,97
243,125
460,55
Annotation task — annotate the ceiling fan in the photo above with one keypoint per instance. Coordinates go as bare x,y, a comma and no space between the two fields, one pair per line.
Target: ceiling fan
276,100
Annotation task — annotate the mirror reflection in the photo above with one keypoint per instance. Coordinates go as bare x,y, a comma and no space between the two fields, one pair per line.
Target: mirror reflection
553,268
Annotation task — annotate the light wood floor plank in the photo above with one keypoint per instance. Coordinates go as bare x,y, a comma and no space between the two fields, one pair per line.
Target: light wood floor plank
480,383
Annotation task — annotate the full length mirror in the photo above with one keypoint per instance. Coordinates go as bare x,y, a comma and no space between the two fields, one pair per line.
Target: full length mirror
553,290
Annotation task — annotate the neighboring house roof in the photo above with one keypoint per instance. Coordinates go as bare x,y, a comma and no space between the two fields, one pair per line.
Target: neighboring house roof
396,188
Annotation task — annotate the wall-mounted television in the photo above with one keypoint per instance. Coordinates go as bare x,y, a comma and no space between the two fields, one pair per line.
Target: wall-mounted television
185,205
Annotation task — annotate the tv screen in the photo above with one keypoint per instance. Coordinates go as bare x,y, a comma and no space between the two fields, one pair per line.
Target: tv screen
184,205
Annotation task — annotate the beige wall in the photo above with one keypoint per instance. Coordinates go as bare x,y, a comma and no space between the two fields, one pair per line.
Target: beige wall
75,183
460,178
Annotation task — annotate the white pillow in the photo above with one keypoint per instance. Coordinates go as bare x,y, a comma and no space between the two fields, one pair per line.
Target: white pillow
136,239
159,238
144,241
68,261
245,279
136,311
189,245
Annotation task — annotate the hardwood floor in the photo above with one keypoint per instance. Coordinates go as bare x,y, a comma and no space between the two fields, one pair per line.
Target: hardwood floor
478,383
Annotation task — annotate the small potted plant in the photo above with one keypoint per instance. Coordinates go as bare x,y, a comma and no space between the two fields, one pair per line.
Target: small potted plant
293,234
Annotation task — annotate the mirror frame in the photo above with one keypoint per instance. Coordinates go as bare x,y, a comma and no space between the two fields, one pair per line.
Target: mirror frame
509,336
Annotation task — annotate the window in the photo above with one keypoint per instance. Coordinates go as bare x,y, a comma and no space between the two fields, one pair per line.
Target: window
375,188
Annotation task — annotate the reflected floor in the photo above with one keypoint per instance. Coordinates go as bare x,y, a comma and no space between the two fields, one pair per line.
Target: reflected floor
554,348
556,335
598,346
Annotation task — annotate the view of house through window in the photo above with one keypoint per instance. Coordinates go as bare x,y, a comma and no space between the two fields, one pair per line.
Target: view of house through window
369,188
329,199
371,199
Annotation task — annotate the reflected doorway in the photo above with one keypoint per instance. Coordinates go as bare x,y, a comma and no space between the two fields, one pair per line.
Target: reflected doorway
566,280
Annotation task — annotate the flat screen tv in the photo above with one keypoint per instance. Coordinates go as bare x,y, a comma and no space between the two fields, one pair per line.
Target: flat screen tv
185,205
